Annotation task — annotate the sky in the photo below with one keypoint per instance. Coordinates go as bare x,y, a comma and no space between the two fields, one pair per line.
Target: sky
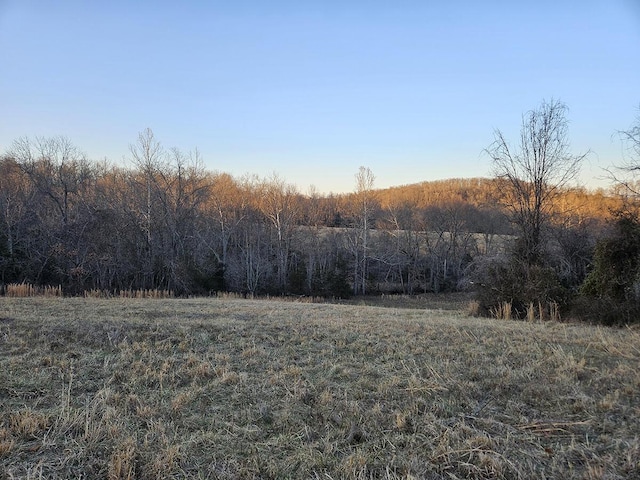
312,90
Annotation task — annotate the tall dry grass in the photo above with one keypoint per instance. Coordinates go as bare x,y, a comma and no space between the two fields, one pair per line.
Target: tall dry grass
30,290
15,290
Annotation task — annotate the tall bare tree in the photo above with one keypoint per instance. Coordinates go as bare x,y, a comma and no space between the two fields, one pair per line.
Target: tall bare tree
148,156
627,174
364,197
61,179
279,204
150,159
226,208
535,171
17,199
58,170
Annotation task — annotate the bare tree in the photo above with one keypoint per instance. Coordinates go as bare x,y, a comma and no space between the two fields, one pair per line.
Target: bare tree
631,138
61,179
630,168
403,245
17,200
535,172
148,156
58,170
278,203
226,208
364,186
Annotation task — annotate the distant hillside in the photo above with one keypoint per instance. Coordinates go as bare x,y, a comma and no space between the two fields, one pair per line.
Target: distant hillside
487,193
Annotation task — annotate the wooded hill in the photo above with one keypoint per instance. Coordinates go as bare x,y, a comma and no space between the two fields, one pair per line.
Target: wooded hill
168,223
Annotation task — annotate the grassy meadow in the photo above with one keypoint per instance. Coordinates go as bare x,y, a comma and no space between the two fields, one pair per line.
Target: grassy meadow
247,389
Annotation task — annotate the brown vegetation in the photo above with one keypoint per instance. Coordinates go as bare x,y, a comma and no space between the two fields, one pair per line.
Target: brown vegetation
168,224
231,388
29,290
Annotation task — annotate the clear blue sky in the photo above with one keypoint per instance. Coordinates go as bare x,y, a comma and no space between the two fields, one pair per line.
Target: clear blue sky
311,90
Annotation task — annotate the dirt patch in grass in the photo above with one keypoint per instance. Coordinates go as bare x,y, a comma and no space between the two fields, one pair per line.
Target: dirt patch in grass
222,388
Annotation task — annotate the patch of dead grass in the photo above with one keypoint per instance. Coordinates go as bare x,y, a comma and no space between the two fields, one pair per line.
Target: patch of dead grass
234,388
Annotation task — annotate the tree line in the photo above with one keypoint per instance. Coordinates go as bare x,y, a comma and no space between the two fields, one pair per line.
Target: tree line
166,222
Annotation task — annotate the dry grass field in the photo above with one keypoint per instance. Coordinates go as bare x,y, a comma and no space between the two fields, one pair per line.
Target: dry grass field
232,388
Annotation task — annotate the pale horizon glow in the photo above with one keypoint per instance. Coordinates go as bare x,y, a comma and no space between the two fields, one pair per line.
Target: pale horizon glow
310,91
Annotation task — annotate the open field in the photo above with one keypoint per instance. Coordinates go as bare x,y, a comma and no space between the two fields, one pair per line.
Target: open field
231,388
